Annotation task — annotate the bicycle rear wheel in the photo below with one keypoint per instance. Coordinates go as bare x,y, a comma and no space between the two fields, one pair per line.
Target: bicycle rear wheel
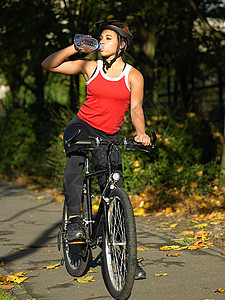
76,254
119,246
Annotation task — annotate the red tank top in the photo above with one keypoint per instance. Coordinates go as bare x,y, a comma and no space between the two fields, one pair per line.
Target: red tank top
107,100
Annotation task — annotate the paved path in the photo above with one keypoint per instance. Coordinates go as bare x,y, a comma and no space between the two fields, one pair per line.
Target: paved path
28,234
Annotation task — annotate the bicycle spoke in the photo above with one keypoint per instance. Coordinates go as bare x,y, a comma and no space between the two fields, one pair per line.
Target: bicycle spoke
117,244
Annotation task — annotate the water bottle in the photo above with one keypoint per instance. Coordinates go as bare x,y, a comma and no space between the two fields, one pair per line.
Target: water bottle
86,42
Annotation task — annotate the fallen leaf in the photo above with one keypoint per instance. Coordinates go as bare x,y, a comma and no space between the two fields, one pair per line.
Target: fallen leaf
8,286
95,207
3,279
174,254
60,198
212,215
200,226
24,248
221,291
167,248
186,233
91,271
173,225
57,266
1,263
20,274
142,249
198,243
215,222
201,234
194,247
161,274
47,251
15,278
85,279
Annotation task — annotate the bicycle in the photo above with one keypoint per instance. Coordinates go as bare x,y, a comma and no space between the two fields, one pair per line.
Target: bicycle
118,243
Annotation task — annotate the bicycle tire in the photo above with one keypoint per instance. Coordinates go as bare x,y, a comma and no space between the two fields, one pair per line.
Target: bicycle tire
76,256
119,257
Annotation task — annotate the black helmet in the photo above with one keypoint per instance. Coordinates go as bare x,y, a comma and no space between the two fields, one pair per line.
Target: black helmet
117,26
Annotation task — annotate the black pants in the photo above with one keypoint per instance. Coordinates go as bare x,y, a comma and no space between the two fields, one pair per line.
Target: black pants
73,176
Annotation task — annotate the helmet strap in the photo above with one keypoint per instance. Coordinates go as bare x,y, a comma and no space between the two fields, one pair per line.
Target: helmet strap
106,64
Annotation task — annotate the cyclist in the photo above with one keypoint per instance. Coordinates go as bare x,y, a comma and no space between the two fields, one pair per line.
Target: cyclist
112,87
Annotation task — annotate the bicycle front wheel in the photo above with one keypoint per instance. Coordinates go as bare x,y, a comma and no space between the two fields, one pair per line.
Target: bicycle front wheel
119,246
76,255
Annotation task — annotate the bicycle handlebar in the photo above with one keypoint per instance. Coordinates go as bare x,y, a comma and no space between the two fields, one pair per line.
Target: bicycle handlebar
126,142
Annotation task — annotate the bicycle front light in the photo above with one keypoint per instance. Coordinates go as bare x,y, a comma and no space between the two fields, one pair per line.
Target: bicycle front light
116,176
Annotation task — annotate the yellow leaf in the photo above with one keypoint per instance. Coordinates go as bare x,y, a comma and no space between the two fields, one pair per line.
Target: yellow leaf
193,247
200,226
15,279
95,207
60,198
85,279
1,264
141,212
91,271
201,234
3,279
221,291
173,254
52,266
173,225
186,233
40,197
142,249
180,169
161,274
20,274
167,248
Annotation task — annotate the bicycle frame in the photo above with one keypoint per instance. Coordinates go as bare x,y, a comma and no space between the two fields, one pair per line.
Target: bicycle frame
93,226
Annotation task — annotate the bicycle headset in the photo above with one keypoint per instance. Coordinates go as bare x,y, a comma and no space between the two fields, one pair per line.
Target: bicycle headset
123,34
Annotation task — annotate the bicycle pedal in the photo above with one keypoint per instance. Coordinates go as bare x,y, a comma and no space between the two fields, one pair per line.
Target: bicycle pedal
62,261
77,242
100,241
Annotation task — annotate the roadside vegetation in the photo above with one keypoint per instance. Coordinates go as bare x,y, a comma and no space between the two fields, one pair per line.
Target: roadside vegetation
179,48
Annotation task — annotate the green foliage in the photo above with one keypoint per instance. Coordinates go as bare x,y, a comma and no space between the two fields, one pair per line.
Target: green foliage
187,157
4,296
18,143
55,154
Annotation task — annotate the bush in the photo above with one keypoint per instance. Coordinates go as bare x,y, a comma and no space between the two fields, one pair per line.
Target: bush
187,156
18,143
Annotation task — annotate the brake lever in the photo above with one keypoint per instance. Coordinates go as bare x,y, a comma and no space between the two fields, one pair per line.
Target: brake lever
154,139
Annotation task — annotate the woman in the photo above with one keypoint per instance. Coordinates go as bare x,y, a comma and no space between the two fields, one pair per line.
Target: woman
112,86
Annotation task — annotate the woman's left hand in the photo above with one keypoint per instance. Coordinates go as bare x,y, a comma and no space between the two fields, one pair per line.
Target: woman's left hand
142,138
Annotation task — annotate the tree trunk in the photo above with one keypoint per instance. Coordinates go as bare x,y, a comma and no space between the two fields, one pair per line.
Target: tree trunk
222,171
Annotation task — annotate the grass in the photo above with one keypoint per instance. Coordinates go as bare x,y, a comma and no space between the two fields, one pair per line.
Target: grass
4,296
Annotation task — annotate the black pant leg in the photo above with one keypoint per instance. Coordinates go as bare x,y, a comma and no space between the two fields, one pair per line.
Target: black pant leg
73,183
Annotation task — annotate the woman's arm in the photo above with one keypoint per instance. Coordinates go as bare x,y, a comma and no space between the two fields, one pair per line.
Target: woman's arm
56,63
137,115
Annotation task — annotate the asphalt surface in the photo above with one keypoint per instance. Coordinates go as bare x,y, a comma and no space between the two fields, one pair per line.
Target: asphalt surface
29,223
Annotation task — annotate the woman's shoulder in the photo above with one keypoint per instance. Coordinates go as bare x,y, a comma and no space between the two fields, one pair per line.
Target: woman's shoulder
134,74
90,66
